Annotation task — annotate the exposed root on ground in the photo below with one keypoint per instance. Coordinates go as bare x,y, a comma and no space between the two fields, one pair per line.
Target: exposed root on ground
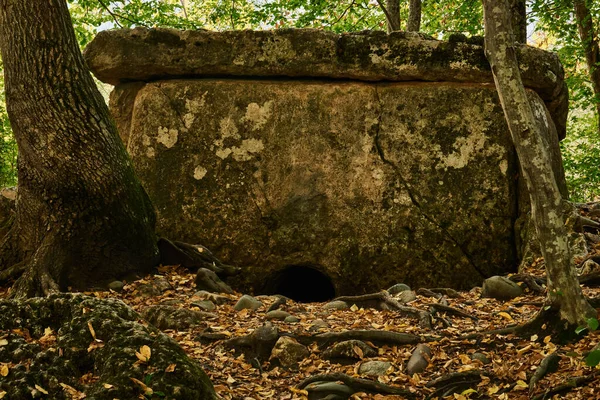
383,301
357,384
456,382
192,257
576,382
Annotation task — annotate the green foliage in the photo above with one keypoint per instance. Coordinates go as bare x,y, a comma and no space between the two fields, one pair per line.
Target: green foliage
8,147
581,157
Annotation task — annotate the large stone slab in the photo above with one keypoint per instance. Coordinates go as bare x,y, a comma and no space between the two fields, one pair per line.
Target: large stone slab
142,54
371,183
374,158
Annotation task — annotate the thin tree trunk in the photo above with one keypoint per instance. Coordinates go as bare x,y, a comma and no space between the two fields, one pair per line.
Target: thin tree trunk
82,217
391,9
548,207
414,16
518,13
589,40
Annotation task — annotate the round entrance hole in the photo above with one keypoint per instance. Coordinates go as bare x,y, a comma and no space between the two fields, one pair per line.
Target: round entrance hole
300,283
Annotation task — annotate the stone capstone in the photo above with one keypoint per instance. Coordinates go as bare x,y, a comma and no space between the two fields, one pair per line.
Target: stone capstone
403,172
64,321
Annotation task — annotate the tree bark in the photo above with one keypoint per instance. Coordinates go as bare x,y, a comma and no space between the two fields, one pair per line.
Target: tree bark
547,206
82,217
414,16
589,40
518,14
391,9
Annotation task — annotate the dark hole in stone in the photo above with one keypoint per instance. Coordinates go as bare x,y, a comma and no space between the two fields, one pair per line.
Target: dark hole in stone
300,283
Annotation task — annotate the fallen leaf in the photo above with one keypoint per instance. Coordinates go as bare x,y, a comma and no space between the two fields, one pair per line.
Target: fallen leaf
141,384
3,342
170,368
144,354
2,394
107,386
505,315
92,331
354,308
71,391
358,351
4,370
95,345
41,389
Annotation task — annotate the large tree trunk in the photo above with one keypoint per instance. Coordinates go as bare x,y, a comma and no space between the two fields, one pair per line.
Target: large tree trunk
589,40
548,207
414,16
82,216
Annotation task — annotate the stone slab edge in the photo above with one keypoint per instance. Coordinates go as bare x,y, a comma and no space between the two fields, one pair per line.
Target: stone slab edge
142,54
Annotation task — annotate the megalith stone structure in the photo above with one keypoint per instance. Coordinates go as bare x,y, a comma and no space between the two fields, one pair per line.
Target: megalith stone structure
370,158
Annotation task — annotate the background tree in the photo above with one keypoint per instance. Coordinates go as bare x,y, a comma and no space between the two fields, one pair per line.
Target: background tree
589,41
414,16
548,208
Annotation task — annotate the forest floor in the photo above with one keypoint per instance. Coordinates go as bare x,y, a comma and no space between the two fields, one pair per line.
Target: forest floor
513,360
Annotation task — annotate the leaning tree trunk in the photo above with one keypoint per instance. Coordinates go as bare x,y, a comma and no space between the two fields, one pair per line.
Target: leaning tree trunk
414,16
548,207
82,215
589,40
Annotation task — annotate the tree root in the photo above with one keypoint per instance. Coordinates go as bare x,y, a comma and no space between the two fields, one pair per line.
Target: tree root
454,382
192,257
547,322
357,384
532,282
441,308
373,336
256,345
383,301
566,387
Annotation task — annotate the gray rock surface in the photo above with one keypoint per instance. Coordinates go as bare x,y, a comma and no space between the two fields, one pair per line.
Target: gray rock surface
117,286
288,352
321,390
113,361
205,305
374,368
143,54
282,170
406,296
397,288
500,288
247,302
174,317
277,315
336,305
215,298
481,357
349,351
419,359
318,325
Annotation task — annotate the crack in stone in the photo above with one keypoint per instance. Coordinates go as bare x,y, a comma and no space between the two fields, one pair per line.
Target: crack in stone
411,195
